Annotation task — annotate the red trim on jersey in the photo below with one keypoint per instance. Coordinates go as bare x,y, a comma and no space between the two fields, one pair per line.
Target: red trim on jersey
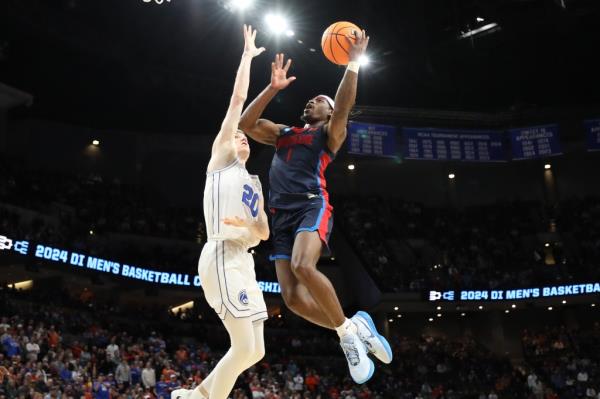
324,225
297,129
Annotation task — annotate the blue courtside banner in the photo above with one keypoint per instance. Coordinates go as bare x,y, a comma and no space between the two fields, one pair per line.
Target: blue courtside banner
453,144
372,139
592,129
535,142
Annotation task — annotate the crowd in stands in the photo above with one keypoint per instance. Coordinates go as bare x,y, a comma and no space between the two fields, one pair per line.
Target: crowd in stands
568,359
405,246
410,247
51,351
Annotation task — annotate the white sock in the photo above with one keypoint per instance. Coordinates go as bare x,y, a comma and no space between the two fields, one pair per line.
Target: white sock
347,328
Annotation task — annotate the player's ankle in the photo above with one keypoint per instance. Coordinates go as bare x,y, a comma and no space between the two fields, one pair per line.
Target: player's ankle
348,327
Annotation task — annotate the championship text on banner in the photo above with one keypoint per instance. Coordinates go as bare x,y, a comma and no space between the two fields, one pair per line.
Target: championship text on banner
592,129
453,145
371,139
515,294
79,261
535,142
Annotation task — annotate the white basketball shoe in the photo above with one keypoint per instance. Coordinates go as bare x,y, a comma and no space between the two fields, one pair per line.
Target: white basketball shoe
375,343
361,367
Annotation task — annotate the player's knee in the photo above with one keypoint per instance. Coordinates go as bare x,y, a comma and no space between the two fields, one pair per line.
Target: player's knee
244,348
302,270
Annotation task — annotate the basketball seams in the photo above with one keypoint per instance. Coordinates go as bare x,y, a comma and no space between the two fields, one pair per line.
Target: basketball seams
331,51
337,39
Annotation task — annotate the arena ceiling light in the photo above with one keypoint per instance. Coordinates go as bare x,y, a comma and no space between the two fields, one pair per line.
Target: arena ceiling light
351,166
22,285
183,306
451,176
547,166
239,5
96,142
480,19
489,28
276,23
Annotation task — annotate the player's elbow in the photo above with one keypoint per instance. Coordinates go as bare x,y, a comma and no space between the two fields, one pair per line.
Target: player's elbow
264,234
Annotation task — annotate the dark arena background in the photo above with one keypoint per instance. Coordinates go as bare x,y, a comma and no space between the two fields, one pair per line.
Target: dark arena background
466,197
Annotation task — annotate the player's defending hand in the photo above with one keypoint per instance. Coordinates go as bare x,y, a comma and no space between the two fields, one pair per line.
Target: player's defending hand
249,46
237,221
358,48
279,79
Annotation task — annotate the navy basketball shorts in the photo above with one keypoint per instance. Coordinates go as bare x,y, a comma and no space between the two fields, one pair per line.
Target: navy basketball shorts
285,224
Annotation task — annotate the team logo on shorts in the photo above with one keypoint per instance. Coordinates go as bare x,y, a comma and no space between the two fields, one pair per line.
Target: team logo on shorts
243,297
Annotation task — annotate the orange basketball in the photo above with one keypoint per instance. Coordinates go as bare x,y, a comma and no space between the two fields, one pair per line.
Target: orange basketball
334,43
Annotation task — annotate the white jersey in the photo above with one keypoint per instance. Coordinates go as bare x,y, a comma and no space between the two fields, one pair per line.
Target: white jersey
231,192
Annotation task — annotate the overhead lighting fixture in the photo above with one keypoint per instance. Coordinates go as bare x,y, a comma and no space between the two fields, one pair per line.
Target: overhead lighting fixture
489,28
549,307
564,301
451,176
183,306
507,311
96,142
399,316
276,23
391,320
395,307
431,319
351,166
480,307
439,315
22,285
239,5
289,33
513,306
547,166
480,19
463,314
439,308
547,244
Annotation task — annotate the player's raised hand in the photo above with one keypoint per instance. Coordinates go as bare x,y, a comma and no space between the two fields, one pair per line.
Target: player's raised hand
358,47
249,46
279,79
236,221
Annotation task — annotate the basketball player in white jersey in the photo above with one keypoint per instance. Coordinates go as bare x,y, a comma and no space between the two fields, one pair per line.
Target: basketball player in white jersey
235,221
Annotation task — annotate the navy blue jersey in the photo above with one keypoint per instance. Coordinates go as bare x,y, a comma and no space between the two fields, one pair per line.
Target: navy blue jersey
297,174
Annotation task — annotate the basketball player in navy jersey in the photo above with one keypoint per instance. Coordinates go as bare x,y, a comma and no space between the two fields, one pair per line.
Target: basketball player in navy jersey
301,214
235,221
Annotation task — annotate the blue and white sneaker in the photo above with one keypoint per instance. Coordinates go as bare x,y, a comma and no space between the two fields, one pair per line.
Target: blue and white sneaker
375,343
361,367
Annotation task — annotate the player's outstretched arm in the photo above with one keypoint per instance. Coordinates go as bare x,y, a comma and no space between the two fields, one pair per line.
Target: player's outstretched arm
263,130
223,149
346,94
